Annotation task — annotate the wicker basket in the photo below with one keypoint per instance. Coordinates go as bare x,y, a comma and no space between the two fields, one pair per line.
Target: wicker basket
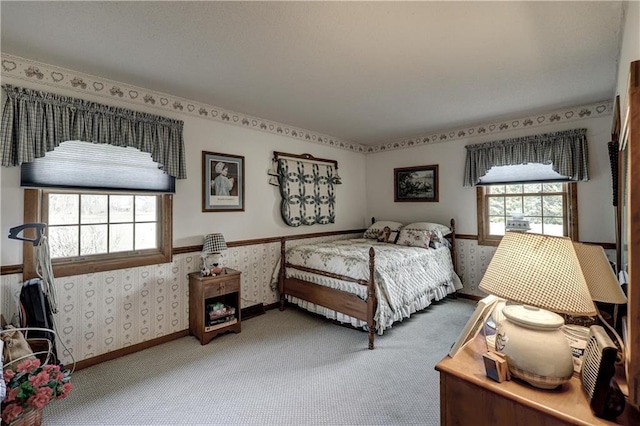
30,418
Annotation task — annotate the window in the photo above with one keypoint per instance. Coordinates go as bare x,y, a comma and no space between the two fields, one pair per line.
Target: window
550,208
100,231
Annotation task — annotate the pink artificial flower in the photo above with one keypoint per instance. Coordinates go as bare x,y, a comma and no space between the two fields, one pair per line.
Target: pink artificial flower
41,398
11,394
66,388
28,366
10,412
40,379
8,375
51,367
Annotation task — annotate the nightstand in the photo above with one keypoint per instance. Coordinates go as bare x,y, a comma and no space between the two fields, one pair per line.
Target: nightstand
468,397
205,292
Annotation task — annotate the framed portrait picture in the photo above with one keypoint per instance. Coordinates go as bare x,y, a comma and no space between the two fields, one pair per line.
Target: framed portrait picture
415,184
222,182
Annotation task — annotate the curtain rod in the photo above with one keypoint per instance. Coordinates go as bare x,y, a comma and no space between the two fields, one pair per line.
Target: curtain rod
277,154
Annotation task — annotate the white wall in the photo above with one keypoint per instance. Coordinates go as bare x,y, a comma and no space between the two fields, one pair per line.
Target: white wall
261,217
595,210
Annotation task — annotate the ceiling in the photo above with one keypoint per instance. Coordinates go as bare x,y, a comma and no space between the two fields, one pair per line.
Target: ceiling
367,72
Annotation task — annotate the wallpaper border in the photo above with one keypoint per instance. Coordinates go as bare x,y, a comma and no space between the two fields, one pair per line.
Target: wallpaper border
49,75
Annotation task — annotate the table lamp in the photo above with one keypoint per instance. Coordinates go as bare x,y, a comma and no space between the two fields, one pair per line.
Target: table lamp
543,274
601,281
213,245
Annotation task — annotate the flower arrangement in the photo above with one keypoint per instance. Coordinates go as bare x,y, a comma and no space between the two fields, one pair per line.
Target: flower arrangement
32,386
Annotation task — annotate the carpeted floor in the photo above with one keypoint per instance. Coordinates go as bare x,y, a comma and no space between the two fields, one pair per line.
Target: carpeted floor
285,368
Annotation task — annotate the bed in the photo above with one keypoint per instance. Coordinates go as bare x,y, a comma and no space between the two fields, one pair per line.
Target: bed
371,282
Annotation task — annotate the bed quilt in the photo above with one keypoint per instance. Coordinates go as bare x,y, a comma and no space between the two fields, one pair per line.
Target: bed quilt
407,279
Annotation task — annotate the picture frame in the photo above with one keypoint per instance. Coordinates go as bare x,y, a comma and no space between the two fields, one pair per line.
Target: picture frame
477,320
222,182
415,184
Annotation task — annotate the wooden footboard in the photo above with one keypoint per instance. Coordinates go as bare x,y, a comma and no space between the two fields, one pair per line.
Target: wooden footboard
331,298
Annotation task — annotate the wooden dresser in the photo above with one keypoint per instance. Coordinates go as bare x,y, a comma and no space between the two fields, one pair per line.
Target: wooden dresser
469,397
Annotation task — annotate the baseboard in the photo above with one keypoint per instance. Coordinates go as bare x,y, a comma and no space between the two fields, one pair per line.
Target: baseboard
469,296
128,350
252,311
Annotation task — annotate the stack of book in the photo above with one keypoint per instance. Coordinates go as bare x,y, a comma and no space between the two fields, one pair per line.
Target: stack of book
219,315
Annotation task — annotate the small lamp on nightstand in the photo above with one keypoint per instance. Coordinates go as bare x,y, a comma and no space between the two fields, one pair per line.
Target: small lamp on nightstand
544,275
213,245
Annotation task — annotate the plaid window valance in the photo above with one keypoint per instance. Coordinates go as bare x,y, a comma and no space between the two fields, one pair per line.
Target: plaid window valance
307,191
36,122
566,151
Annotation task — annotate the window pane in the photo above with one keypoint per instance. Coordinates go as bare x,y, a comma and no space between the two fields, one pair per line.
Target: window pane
514,205
533,206
93,239
63,241
496,225
120,237
552,205
533,187
496,206
514,189
552,187
496,189
120,208
553,226
535,223
63,209
93,208
146,208
146,236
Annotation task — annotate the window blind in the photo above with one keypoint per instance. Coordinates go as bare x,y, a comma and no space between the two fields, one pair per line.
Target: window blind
89,166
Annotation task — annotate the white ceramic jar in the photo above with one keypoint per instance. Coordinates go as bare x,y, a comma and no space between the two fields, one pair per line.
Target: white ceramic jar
536,349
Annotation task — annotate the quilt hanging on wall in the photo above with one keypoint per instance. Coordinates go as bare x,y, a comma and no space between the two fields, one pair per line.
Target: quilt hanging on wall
307,191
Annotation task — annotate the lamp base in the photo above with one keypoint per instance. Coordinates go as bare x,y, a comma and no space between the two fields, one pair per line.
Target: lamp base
536,349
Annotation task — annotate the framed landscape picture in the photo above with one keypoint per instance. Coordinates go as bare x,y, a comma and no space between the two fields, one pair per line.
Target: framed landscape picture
222,182
415,184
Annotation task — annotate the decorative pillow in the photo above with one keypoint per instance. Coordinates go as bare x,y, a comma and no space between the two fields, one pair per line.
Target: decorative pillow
438,240
374,230
429,226
414,238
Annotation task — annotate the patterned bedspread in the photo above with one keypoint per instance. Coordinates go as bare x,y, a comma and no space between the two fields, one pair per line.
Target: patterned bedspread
407,279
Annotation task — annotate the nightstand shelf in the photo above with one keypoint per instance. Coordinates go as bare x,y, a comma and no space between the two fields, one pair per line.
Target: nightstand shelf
204,291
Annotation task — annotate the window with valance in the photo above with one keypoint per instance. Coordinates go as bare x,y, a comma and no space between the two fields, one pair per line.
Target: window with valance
532,176
565,151
93,227
36,122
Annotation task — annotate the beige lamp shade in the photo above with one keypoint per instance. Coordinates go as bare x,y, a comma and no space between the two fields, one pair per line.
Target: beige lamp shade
539,270
599,275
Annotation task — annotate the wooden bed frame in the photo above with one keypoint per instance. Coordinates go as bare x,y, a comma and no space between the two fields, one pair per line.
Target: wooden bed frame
338,300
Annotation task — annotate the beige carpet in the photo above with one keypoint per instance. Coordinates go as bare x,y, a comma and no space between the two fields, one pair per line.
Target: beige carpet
285,368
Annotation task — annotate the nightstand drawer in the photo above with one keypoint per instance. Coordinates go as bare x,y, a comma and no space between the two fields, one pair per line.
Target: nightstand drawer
221,287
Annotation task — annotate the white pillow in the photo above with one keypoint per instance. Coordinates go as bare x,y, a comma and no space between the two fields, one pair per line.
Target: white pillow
373,231
429,226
